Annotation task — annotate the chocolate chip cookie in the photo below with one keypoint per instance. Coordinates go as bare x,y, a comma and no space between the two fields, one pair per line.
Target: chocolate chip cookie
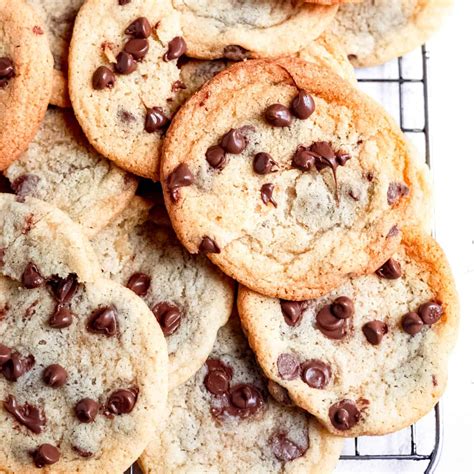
83,364
225,420
377,31
190,298
250,28
370,357
294,181
122,78
26,68
60,167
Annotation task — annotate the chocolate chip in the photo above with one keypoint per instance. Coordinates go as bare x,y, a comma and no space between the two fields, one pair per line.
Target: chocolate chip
61,318
430,312
178,86
393,232
5,354
344,415
139,283
16,366
266,193
55,376
124,2
82,452
216,157
342,158
288,367
234,52
292,311
104,321
176,48
331,319
396,191
208,245
86,410
179,177
64,289
25,184
155,119
278,115
374,331
302,105
284,449
168,316
279,393
263,163
303,159
7,68
121,401
28,415
103,78
247,398
342,307
391,270
233,142
412,323
125,64
137,47
218,377
31,277
45,455
139,28
315,373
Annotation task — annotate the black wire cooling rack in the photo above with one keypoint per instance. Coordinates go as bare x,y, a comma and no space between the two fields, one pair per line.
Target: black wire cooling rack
406,80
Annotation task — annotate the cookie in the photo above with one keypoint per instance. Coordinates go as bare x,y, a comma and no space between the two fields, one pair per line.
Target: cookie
370,357
83,365
376,32
224,420
59,16
287,206
190,298
60,167
122,78
250,28
26,68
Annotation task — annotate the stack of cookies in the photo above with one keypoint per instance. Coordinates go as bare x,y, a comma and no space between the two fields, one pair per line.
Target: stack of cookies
279,290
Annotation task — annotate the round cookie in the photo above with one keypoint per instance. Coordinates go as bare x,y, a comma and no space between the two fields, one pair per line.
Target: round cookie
59,16
190,298
294,205
250,28
122,78
83,365
26,68
370,357
60,167
375,32
224,417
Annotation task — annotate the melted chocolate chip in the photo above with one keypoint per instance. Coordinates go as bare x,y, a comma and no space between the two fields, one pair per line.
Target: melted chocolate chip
155,119
344,415
208,245
139,28
86,410
27,415
266,193
315,373
16,366
139,283
104,321
263,163
331,319
25,184
343,307
245,400
302,105
303,159
233,141
393,232
45,455
168,316
82,453
179,177
103,78
391,270
176,48
31,277
278,115
292,311
288,367
124,2
55,376
216,157
412,323
219,375
5,354
61,318
121,401
284,449
137,47
63,289
235,52
396,191
7,68
125,64
374,331
430,312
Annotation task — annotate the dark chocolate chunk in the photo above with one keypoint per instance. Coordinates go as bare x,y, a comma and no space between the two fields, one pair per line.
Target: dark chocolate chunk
168,316
315,373
391,270
374,331
344,415
140,28
266,193
216,157
86,410
139,283
31,277
104,321
55,376
292,311
121,401
412,323
137,47
302,105
63,289
218,377
103,78
155,119
176,48
125,64
61,318
233,141
263,163
278,115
